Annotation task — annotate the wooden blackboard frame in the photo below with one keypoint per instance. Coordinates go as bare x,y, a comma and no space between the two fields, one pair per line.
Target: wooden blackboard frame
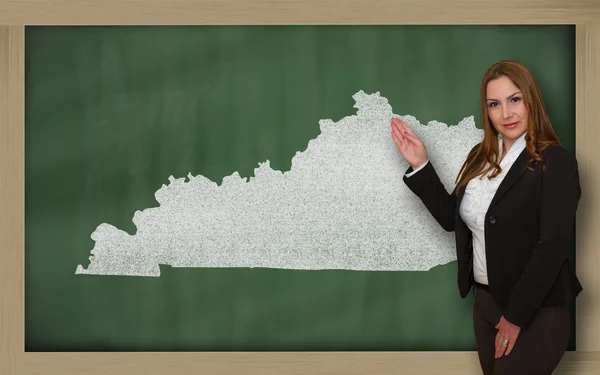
15,15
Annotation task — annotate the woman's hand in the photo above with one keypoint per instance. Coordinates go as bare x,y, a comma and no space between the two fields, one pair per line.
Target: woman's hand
506,331
410,146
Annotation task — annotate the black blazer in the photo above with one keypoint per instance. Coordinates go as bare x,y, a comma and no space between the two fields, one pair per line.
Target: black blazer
529,227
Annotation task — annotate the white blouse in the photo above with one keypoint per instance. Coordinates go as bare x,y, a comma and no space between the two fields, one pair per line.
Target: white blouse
476,201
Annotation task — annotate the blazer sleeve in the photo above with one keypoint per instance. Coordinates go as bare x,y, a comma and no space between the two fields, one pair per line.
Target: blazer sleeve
560,196
427,186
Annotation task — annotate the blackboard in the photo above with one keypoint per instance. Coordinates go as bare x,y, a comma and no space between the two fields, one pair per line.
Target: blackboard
111,112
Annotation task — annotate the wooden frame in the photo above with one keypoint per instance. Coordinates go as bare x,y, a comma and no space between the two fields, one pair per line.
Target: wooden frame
14,15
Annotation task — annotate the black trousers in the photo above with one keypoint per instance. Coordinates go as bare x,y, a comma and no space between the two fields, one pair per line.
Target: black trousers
539,347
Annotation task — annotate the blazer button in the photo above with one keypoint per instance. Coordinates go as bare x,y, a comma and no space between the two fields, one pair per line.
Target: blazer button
492,220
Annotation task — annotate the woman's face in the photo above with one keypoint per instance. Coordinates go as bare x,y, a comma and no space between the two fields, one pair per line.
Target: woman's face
506,109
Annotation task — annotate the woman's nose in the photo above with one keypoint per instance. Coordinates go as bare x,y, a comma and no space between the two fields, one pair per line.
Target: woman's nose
506,111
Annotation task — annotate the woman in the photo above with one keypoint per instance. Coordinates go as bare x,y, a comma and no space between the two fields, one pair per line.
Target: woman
513,213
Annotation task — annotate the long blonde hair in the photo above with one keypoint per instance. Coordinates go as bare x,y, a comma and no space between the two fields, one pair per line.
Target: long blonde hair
539,136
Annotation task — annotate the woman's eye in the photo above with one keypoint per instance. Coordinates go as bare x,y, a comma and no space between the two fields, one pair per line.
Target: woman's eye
516,99
492,104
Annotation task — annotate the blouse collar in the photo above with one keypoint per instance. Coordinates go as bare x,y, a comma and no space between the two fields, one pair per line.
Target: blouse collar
516,147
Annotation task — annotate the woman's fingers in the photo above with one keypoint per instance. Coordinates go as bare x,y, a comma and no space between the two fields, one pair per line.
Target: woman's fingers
500,349
511,345
407,131
398,140
506,331
400,132
399,125
401,138
397,129
411,147
397,132
414,138
513,334
497,345
407,128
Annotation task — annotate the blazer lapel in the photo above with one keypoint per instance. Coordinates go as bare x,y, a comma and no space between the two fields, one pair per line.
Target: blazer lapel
512,176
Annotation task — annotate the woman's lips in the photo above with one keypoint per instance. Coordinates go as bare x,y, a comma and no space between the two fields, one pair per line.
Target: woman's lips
511,125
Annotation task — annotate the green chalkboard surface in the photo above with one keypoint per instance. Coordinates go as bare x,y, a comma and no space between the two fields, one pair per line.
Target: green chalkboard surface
112,112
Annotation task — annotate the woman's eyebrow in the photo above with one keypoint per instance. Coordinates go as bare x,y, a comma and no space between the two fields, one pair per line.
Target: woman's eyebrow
510,96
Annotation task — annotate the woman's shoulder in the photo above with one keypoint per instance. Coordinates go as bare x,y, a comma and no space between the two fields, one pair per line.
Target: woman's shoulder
557,157
557,152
